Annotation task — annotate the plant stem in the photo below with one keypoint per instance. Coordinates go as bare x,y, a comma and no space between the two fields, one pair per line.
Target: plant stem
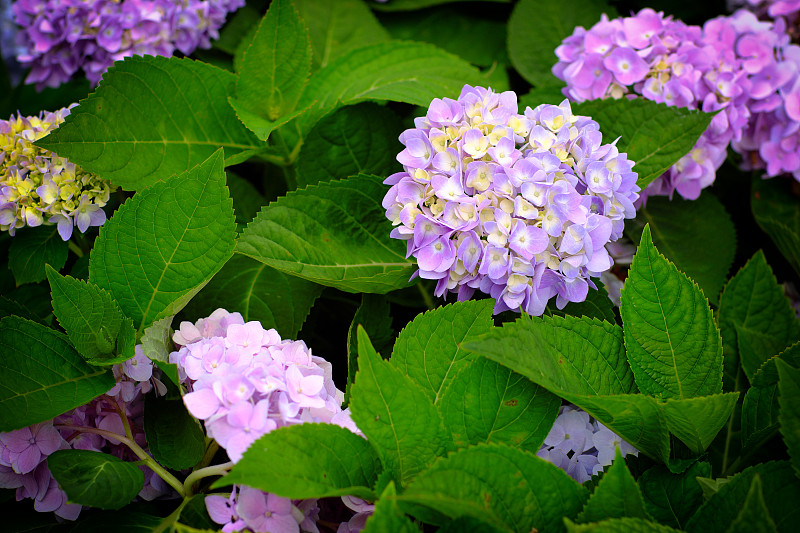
197,475
75,248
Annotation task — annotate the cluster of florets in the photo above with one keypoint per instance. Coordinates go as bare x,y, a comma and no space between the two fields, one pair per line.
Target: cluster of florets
244,381
580,445
24,452
38,187
61,36
517,206
262,512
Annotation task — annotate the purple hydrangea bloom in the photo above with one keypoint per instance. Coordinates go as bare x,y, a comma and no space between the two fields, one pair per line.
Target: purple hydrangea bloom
59,37
261,512
518,206
788,9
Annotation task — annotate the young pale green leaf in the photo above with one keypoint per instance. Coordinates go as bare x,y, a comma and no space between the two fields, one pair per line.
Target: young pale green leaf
767,374
351,140
174,437
374,315
157,340
581,356
486,402
95,479
776,210
519,492
428,350
260,293
274,70
753,301
387,516
597,305
398,71
334,234
781,490
41,374
150,118
398,418
760,411
165,243
617,496
672,341
533,52
673,498
754,516
34,248
655,136
789,389
696,235
696,421
335,28
619,525
308,461
92,319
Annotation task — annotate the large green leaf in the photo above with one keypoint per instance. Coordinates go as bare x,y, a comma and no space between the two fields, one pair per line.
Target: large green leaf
754,516
374,315
335,28
260,293
308,461
617,495
619,525
152,117
532,50
777,210
399,71
334,234
387,516
358,139
696,235
92,319
34,248
655,136
596,305
95,479
398,418
789,389
672,341
696,421
428,350
274,70
174,437
767,374
486,402
41,375
673,498
519,492
760,411
165,243
409,5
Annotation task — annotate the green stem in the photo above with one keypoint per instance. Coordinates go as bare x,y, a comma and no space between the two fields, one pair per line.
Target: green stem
75,248
426,297
168,522
197,475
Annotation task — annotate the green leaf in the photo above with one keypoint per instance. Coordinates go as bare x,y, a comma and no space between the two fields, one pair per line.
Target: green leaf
95,479
759,415
308,461
486,402
274,70
408,5
165,243
334,234
654,136
194,514
352,140
696,421
673,498
545,94
777,211
414,73
672,341
617,495
395,414
387,516
260,293
34,248
533,52
767,374
9,307
754,516
150,118
335,28
247,200
789,388
753,301
174,437
696,235
597,305
374,315
619,525
237,25
781,490
428,350
41,375
157,340
92,320
519,492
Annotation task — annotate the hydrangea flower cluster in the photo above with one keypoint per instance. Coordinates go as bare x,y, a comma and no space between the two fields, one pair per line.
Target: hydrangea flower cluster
244,381
59,37
580,445
257,511
39,187
24,452
517,206
789,9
